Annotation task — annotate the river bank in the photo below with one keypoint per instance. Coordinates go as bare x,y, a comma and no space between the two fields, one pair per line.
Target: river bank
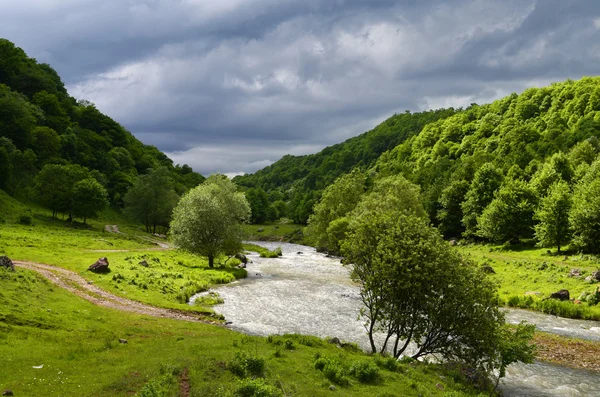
306,292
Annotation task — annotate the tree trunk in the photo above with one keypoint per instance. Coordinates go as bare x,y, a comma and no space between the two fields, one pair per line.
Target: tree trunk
211,261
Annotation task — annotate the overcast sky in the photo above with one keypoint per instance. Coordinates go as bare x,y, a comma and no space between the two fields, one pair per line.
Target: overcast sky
233,85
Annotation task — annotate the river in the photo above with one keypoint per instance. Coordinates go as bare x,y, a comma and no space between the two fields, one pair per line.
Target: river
307,293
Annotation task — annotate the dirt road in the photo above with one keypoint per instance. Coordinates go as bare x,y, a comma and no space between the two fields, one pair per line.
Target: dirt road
76,284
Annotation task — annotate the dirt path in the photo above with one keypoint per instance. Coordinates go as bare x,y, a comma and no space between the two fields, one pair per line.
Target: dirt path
115,229
76,284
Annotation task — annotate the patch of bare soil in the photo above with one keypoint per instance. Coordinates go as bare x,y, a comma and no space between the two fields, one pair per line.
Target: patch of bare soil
76,284
574,353
184,384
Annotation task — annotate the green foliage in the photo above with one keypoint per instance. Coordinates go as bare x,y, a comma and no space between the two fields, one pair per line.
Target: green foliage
54,186
338,200
556,168
481,193
585,215
45,125
514,345
276,253
450,214
245,365
509,217
207,220
333,370
256,388
88,198
259,205
437,300
391,194
301,179
365,371
388,362
163,385
553,229
151,199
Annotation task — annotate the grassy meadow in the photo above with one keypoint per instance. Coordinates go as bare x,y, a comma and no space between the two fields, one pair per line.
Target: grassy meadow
277,231
57,344
527,276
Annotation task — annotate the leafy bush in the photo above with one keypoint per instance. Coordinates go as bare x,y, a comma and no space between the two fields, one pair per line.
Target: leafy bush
390,363
256,388
289,344
276,253
244,365
365,371
333,370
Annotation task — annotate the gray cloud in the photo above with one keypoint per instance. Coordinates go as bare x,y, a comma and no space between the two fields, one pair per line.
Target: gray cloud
232,85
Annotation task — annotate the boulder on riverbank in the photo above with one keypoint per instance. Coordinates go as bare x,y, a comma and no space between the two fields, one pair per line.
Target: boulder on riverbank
242,258
562,295
7,263
100,266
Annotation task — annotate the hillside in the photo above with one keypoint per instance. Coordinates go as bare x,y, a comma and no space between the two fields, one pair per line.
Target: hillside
40,124
525,143
299,180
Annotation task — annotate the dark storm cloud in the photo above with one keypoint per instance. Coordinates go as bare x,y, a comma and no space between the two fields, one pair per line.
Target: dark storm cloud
233,85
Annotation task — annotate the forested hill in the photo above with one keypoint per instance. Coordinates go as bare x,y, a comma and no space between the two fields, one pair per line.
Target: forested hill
41,124
299,180
525,166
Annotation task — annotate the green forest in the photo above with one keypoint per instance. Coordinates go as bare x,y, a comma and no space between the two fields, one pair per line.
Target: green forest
291,186
523,168
70,157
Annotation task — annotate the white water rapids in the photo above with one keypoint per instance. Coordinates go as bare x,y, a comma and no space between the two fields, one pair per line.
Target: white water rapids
307,293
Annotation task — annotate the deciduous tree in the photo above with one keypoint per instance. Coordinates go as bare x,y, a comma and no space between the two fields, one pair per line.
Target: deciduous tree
553,228
208,219
415,288
88,198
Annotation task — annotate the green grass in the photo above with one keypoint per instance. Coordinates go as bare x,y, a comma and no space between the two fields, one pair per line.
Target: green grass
78,345
522,269
279,231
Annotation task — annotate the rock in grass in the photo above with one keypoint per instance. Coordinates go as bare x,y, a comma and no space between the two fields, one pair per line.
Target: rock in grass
8,393
575,273
488,269
562,295
144,263
596,275
100,266
7,263
122,340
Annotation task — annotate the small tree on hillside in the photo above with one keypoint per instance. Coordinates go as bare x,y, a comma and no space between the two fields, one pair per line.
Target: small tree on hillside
337,201
88,199
54,186
151,199
553,213
208,219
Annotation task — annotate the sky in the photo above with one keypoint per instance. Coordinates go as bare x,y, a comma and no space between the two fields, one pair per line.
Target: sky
233,85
